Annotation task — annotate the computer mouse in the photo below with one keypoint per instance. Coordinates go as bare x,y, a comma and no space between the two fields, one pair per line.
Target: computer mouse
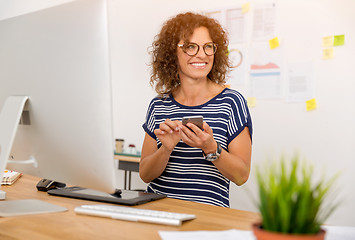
46,184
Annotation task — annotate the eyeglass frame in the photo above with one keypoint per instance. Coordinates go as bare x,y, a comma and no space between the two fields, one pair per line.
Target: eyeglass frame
198,48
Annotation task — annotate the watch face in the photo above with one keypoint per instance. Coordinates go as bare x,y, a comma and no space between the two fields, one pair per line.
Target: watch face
211,157
214,156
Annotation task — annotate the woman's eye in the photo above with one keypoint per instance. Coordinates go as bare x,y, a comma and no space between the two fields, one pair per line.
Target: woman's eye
190,47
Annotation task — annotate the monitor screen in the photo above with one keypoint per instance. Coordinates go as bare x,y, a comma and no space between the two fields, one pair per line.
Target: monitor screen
59,58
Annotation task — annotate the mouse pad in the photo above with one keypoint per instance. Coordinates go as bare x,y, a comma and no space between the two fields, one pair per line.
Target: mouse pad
10,208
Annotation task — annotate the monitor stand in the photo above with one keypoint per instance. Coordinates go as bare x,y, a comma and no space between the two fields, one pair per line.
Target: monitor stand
10,116
9,119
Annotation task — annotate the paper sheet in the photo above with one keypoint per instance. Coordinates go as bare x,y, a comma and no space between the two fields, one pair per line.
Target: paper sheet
246,7
274,43
235,24
264,21
311,104
328,41
232,234
299,83
328,53
339,40
339,233
238,69
265,85
251,101
265,71
333,233
233,21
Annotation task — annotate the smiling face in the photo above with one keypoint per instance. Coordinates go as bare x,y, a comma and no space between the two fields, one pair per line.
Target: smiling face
195,67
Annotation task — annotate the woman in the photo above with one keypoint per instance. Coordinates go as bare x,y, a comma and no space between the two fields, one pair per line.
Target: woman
185,162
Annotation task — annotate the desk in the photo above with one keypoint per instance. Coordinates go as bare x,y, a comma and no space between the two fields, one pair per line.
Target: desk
68,225
128,164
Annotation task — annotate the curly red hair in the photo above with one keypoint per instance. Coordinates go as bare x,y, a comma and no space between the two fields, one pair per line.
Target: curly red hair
164,50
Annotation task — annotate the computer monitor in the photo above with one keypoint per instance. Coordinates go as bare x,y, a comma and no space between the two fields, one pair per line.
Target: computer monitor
59,58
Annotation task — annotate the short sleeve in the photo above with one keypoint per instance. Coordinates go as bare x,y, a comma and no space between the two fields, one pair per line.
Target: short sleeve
149,124
239,117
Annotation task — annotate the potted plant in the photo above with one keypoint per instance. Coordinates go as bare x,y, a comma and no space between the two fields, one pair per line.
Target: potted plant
290,203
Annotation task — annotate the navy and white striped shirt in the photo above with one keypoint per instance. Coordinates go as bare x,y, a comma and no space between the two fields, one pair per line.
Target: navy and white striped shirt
188,175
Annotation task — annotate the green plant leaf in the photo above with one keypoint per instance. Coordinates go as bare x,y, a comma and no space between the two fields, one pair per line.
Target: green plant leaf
289,200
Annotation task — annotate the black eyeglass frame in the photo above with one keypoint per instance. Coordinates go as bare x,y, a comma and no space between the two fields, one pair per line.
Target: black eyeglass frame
185,45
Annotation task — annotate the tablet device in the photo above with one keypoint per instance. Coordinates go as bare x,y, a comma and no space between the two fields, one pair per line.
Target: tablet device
125,197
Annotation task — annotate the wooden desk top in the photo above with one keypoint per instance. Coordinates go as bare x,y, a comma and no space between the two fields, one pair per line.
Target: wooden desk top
68,225
127,158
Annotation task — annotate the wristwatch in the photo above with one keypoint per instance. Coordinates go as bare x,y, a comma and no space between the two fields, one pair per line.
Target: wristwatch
214,156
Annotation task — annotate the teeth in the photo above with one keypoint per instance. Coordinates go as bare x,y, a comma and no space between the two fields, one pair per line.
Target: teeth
199,64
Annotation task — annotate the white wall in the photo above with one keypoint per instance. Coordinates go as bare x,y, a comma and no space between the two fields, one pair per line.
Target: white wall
18,7
323,136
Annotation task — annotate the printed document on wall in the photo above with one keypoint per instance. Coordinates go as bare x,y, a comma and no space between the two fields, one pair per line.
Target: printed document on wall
265,71
238,70
264,21
233,20
235,24
299,83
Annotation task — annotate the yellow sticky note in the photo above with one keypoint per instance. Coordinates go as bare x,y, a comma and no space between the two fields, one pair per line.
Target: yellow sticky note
339,40
274,43
245,7
311,104
328,41
251,101
328,53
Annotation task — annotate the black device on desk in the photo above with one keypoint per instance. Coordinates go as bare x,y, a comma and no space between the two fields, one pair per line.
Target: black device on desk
125,197
47,184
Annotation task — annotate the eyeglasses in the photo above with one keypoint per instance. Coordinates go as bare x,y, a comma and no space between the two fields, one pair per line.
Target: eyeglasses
192,49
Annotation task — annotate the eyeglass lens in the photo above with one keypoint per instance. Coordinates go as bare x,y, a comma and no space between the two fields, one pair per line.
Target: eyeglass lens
192,49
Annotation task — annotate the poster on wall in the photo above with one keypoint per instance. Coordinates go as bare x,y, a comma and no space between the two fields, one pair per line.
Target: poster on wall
299,82
235,25
265,66
234,21
237,55
264,21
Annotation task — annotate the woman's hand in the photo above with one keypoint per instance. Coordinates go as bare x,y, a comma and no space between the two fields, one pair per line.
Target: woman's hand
169,133
199,138
233,164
